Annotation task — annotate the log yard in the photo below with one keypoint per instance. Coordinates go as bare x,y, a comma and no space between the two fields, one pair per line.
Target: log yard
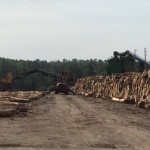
95,112
74,74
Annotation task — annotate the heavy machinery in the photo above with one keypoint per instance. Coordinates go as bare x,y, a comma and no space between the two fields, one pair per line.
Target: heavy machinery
35,71
6,83
63,88
126,62
61,82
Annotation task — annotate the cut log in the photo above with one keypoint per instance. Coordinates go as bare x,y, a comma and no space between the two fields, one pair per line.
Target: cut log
8,103
128,88
17,102
118,100
7,112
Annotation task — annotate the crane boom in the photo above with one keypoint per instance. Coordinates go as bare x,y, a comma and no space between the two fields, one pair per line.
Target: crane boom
35,71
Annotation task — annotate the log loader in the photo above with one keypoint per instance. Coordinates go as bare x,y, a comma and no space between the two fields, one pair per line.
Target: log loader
35,71
61,82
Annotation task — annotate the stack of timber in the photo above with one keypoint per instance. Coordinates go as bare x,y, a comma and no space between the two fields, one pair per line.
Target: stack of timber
130,87
12,103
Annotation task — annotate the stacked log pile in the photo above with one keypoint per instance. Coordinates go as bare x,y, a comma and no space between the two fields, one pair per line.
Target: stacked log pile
128,87
12,103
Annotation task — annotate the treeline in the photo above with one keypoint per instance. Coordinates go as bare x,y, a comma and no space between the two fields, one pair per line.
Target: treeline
80,68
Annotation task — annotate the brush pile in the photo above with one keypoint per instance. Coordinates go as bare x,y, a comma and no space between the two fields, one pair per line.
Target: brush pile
12,103
130,87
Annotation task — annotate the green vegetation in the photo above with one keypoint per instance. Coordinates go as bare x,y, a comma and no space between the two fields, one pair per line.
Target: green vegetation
80,68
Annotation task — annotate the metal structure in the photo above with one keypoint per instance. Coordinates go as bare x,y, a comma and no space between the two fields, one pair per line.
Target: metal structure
126,62
37,72
63,88
61,82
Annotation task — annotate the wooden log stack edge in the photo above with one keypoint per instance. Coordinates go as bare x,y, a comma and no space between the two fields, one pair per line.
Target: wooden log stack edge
129,87
14,103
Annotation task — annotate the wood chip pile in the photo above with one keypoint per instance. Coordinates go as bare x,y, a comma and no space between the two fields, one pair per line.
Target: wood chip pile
131,88
17,103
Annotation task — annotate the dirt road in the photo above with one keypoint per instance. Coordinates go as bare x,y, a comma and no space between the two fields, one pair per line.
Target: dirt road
75,122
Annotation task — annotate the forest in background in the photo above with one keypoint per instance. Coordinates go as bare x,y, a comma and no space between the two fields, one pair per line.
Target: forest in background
80,68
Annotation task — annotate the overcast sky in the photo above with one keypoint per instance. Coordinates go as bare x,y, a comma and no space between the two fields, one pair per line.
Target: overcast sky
81,29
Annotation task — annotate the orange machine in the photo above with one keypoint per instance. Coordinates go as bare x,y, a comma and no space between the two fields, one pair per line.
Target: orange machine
6,83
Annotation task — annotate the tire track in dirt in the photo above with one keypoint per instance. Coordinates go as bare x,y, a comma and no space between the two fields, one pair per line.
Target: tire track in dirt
73,122
106,128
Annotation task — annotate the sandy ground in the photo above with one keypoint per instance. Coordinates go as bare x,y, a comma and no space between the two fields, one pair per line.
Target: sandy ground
77,123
